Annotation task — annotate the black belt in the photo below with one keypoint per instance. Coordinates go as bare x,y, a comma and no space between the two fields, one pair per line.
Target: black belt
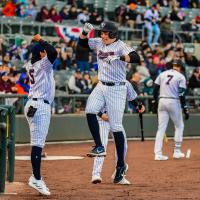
169,98
45,101
113,84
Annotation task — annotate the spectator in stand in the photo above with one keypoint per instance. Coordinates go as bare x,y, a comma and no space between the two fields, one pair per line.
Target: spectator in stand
6,86
24,51
143,70
87,83
20,11
31,12
83,16
138,2
22,84
73,13
131,15
191,60
120,13
75,83
95,18
151,18
194,81
139,22
135,81
166,30
43,15
82,58
164,3
54,16
64,13
9,9
2,48
176,14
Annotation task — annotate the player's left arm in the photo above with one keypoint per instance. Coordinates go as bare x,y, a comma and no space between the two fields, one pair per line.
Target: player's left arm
181,91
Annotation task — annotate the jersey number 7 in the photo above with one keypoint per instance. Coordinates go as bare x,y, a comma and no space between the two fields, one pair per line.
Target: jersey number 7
170,78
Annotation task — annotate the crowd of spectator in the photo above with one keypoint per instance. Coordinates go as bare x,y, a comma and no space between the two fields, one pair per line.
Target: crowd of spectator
157,52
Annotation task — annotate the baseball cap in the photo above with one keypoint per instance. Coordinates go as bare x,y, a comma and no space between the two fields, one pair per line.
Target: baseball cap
37,48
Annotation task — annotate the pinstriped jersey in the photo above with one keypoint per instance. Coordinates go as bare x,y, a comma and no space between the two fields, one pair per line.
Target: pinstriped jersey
169,82
116,71
41,79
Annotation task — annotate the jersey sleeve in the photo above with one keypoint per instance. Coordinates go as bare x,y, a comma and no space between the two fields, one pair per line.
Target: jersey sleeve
93,42
46,64
182,82
126,49
157,81
131,94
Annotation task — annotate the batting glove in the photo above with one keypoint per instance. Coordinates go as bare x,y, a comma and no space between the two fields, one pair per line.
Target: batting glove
88,27
186,112
110,59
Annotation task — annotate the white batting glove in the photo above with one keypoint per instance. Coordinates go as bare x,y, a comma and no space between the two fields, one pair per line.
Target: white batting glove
110,59
88,27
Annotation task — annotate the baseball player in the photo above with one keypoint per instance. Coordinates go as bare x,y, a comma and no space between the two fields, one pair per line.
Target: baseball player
172,86
38,107
104,133
112,58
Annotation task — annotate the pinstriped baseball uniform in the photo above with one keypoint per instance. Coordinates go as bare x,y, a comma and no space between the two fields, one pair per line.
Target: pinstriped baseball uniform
169,106
114,97
105,129
42,89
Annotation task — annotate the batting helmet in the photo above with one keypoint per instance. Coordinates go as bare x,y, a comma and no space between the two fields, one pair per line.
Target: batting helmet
179,63
36,48
109,27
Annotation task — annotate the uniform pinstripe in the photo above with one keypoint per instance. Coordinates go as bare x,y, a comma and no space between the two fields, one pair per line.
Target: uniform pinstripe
43,88
105,129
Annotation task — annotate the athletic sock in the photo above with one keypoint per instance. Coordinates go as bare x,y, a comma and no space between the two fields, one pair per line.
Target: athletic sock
119,142
94,128
36,161
177,146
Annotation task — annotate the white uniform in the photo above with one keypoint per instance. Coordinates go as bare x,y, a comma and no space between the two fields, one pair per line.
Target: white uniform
41,95
114,97
169,107
105,129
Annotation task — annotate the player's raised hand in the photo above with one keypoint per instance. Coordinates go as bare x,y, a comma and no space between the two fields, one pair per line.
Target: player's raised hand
110,59
88,27
37,37
186,112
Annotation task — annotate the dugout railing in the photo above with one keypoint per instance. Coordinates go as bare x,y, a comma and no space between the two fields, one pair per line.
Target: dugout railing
72,100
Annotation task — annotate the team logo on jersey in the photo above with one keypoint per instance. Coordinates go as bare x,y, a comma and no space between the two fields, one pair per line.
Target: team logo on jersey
103,55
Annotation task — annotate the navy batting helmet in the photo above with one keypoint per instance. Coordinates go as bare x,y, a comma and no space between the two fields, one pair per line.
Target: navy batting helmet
109,27
179,63
36,48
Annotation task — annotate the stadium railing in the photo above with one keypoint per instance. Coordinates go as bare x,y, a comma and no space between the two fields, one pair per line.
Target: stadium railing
74,98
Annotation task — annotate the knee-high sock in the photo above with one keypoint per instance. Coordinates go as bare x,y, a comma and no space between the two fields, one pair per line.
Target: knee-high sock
119,142
94,128
36,161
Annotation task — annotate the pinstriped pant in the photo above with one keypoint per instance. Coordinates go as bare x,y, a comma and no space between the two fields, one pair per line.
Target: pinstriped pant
39,124
105,129
114,98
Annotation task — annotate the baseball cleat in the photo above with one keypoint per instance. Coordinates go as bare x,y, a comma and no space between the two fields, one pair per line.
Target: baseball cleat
39,185
96,179
124,182
126,169
160,157
178,155
97,151
120,176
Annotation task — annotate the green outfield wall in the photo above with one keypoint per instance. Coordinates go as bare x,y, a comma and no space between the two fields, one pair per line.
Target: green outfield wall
74,127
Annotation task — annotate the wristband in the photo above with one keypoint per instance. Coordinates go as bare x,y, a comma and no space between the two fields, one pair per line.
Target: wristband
100,114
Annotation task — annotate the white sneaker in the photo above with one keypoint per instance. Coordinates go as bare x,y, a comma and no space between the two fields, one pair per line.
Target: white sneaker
160,157
124,181
113,175
38,185
178,155
96,179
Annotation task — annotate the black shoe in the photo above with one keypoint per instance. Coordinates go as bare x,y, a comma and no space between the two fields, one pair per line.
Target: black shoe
120,172
97,151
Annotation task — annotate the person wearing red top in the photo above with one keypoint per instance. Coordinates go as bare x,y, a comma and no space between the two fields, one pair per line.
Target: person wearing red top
9,9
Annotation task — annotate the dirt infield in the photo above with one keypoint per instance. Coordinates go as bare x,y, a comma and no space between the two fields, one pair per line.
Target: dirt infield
151,180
